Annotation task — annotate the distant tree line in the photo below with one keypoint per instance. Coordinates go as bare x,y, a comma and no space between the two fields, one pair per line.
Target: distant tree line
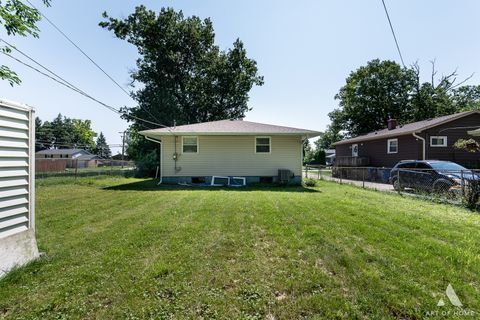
67,133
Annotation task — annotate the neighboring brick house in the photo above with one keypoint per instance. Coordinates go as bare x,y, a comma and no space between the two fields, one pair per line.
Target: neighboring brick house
431,139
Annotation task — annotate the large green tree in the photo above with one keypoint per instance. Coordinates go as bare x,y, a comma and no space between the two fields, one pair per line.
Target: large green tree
183,75
372,94
19,19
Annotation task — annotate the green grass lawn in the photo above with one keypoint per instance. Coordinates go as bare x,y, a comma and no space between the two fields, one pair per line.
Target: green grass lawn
125,248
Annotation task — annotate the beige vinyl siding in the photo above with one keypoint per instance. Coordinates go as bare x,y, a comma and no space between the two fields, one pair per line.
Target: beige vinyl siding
233,155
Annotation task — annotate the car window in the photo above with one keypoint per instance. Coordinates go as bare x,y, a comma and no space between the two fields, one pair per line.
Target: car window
406,165
423,166
447,166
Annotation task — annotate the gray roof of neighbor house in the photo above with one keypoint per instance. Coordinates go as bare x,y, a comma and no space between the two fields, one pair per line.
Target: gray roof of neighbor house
230,127
63,151
414,127
88,157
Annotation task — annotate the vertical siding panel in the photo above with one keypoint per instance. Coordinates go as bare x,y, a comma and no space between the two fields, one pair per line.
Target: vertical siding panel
16,172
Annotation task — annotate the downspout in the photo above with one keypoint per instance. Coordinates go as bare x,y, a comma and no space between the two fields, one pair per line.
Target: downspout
423,144
161,156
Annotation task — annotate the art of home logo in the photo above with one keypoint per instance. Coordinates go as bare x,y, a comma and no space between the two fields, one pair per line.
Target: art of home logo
453,299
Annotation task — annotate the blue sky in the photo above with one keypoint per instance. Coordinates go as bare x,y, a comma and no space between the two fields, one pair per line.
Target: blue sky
304,49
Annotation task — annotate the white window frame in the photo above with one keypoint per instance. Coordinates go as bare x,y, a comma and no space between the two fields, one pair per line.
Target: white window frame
269,144
445,142
353,148
198,145
389,141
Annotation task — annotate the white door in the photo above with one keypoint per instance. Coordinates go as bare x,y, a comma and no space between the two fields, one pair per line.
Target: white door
354,150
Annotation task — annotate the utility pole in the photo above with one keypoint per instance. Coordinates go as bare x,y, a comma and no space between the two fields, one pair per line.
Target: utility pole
123,145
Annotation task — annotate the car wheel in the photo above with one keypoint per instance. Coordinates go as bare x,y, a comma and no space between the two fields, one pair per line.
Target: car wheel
396,185
441,187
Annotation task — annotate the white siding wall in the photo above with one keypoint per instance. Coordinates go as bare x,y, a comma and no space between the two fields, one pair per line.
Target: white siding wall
233,155
16,170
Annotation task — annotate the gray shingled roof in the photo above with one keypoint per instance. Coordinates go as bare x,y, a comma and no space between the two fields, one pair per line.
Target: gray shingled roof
62,151
230,127
407,128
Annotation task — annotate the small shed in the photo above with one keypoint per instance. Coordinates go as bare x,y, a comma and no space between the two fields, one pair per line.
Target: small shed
17,185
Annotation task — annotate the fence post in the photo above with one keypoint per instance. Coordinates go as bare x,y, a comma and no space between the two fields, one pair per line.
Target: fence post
363,178
341,174
76,168
463,183
399,183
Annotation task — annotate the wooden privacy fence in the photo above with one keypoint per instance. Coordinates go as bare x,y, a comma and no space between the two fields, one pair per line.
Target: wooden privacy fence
50,165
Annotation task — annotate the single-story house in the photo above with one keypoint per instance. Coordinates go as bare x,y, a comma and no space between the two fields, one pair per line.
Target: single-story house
195,153
82,158
62,153
429,139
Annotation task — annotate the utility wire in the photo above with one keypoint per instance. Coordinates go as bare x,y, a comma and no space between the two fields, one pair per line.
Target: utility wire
70,86
87,56
79,49
393,32
67,144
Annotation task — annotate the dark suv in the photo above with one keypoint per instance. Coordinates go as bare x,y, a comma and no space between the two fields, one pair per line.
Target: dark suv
433,175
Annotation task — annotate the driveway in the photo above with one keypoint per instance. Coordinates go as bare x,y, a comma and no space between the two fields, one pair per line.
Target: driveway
366,184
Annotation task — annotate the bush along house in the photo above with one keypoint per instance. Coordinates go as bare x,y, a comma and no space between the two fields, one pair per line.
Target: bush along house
431,139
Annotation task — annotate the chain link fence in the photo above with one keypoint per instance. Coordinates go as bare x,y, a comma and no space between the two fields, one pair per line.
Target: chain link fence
458,186
58,167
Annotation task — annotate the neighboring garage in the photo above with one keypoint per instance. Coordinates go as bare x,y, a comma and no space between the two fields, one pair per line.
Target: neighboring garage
17,185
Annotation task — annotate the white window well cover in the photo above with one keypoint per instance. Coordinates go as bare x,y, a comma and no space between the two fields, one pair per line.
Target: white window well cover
189,144
220,181
262,144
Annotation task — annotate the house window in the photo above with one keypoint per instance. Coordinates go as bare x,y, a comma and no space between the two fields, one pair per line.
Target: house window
190,144
262,144
354,150
392,146
438,141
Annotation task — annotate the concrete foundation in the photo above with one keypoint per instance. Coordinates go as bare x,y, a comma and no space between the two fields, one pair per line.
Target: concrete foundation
17,250
296,180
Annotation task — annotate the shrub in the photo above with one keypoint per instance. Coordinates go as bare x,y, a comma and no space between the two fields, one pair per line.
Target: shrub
308,182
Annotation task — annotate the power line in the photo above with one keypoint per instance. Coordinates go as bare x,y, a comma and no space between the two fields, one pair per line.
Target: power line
70,86
393,32
87,56
79,49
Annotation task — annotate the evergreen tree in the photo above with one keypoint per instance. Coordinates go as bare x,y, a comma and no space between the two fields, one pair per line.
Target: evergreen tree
103,150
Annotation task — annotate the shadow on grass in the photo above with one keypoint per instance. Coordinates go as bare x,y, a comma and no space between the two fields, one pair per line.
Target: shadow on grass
151,185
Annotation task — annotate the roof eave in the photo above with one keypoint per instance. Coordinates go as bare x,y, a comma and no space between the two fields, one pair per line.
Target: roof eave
385,136
309,134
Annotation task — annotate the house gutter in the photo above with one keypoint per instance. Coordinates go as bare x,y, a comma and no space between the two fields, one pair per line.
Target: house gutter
161,156
423,143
